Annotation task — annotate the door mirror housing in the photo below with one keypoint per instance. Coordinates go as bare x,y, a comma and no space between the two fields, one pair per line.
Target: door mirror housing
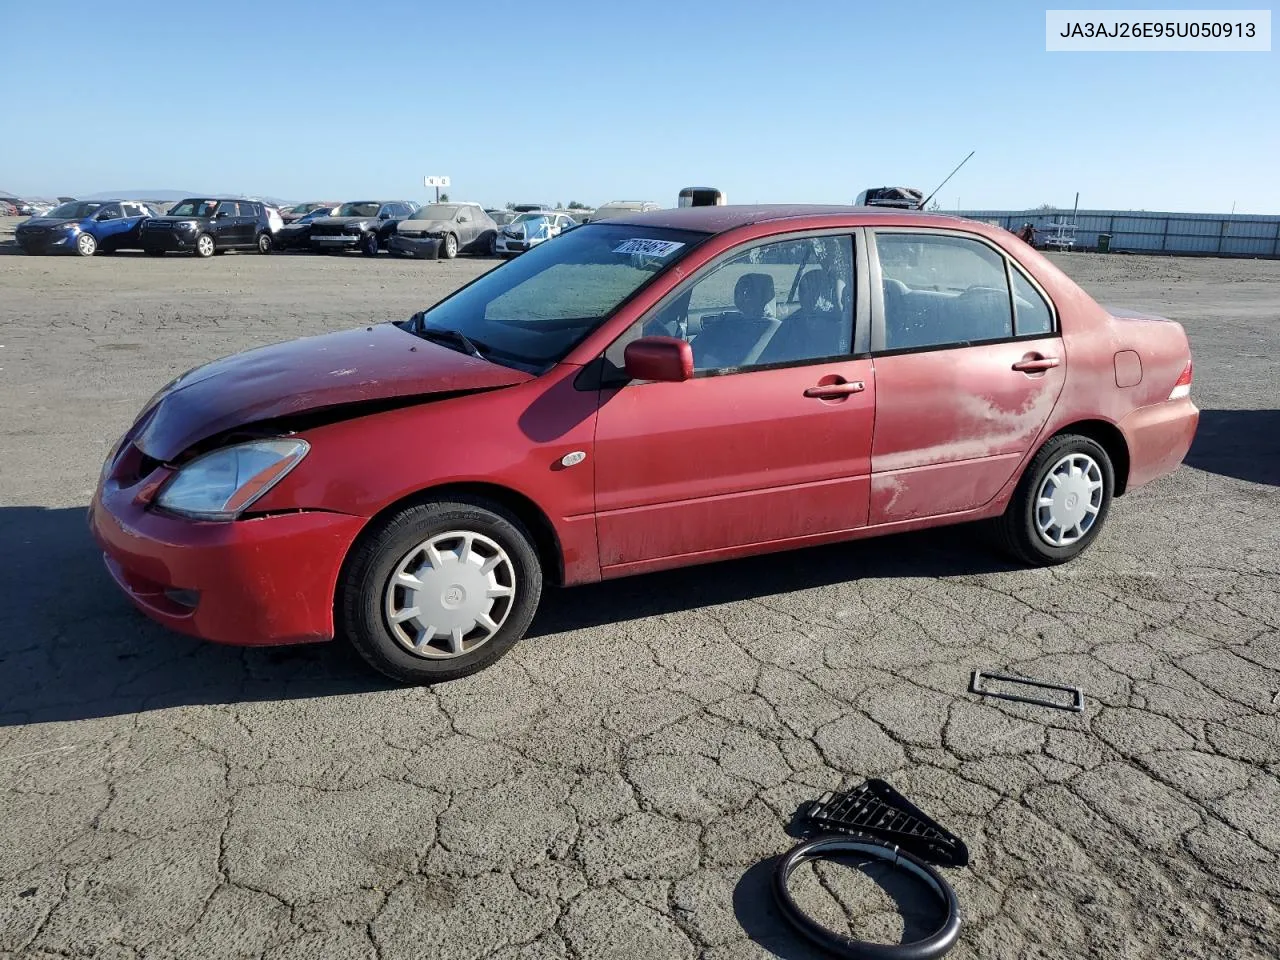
664,359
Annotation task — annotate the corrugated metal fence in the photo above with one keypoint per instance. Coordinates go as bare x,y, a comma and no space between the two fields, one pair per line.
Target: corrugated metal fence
1205,234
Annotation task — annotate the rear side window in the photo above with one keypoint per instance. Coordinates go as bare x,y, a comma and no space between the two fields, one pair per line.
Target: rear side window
942,291
1031,312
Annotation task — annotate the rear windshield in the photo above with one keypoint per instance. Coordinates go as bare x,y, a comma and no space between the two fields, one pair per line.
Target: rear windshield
532,311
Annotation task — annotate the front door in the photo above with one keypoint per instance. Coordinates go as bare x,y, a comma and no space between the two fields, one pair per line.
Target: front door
966,375
771,439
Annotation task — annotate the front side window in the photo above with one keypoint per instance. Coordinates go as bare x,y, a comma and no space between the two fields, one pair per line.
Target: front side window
942,291
110,212
785,302
532,311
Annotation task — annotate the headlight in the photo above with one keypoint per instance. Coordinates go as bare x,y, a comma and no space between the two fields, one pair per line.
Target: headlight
223,484
185,225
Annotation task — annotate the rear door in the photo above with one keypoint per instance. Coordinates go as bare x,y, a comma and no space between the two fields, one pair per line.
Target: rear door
226,224
771,439
969,364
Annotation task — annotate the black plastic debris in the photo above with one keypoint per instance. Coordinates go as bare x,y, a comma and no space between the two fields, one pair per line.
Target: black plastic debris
1077,695
877,810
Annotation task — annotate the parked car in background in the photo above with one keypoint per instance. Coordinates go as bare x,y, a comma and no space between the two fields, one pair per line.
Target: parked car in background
445,230
208,225
530,207
8,208
297,234
651,392
528,230
616,208
274,218
299,210
501,217
364,225
85,227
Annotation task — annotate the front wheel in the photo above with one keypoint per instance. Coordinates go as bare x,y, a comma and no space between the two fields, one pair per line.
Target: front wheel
1061,502
449,249
86,245
439,590
369,245
205,246
264,242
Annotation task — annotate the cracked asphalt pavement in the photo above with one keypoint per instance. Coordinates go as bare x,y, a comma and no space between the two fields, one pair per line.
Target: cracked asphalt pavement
620,783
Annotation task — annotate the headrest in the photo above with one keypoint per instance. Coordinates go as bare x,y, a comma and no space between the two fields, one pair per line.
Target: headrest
753,293
815,287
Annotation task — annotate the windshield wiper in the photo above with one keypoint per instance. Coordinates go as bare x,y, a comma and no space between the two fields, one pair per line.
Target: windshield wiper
455,337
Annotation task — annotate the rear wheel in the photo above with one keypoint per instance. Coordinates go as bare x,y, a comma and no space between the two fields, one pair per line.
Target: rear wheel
369,244
1061,502
86,245
493,245
264,242
439,590
205,246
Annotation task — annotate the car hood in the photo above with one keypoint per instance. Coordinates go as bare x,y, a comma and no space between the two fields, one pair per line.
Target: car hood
341,221
352,367
47,222
429,226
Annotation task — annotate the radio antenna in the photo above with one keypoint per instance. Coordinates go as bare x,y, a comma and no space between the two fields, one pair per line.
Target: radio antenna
944,182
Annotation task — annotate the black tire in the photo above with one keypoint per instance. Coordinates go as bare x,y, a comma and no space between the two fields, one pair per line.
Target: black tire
493,245
369,244
205,250
1017,531
368,569
264,242
448,247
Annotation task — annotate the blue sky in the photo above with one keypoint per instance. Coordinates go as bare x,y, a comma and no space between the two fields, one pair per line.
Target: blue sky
557,100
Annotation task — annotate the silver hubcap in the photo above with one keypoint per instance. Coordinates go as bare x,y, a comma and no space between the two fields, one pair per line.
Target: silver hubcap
451,245
205,246
1069,500
450,594
87,243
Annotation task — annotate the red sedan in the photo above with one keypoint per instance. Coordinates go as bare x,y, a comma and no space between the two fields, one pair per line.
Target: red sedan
664,389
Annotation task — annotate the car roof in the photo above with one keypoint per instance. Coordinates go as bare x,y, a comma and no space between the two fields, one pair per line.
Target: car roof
718,219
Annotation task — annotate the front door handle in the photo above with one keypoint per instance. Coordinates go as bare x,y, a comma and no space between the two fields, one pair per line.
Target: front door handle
829,391
1036,364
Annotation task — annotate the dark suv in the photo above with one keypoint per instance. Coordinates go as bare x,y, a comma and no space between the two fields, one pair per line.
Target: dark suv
364,225
208,226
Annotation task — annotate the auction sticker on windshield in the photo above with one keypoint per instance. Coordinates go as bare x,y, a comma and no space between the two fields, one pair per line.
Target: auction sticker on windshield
648,248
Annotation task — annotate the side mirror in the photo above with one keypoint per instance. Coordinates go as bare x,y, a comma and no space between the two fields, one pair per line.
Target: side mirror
463,218
665,359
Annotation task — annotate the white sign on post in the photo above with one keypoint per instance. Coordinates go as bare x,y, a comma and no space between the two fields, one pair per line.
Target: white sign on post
435,181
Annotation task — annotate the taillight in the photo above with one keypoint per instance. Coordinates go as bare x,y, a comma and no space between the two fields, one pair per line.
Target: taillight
1182,388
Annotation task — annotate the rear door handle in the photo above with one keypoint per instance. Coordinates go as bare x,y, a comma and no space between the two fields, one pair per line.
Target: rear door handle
827,391
1036,364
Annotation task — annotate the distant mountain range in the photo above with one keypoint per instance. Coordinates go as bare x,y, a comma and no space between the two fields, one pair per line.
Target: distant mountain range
174,195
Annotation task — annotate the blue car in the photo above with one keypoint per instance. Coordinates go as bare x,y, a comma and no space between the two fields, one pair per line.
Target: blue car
84,227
